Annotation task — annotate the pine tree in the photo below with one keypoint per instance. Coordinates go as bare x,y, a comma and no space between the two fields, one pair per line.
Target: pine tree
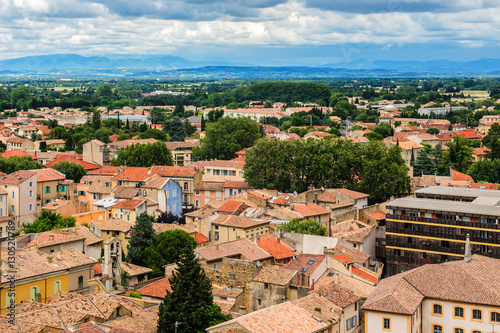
127,126
412,158
142,236
202,123
190,304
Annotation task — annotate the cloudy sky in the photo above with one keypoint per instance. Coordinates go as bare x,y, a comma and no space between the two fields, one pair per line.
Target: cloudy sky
309,32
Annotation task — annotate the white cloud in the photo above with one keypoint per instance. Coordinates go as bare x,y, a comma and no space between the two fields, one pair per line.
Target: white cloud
161,26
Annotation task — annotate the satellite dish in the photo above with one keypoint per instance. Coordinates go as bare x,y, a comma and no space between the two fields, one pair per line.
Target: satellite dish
258,263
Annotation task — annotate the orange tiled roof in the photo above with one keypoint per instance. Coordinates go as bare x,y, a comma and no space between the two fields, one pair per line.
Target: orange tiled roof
68,158
157,288
128,204
306,263
275,246
134,174
16,152
231,206
47,175
310,210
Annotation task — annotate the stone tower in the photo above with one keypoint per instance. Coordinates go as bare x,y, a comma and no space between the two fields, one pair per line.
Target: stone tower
112,261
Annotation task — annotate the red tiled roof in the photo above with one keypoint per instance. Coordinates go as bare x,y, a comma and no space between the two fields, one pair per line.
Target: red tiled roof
47,175
260,195
17,140
468,134
236,184
352,194
310,210
275,246
173,171
68,158
456,175
105,171
231,206
237,221
128,204
343,258
156,289
363,274
16,152
134,174
113,137
97,269
200,239
377,215
306,263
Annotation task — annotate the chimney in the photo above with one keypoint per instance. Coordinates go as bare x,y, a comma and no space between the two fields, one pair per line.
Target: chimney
278,240
336,278
49,259
468,251
51,237
312,287
317,313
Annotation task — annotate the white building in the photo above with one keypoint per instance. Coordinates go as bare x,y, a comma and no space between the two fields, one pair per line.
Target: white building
453,297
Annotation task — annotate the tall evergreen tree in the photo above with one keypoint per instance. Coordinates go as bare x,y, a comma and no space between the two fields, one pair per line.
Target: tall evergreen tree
127,126
412,158
202,123
423,165
190,305
142,236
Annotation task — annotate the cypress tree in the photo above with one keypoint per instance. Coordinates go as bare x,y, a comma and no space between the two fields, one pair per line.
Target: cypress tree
202,123
142,236
190,304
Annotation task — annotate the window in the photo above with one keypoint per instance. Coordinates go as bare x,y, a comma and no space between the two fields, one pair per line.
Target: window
437,309
128,217
259,301
495,317
57,286
46,201
185,186
266,285
225,172
1,211
458,312
386,324
215,266
216,235
231,277
80,282
197,192
230,191
484,234
445,244
476,331
47,189
409,226
30,194
185,198
197,203
217,172
437,329
81,193
167,193
108,184
34,291
174,207
174,193
62,188
397,252
31,184
207,193
97,196
13,195
12,209
30,207
484,248
409,240
458,330
10,299
241,173
477,315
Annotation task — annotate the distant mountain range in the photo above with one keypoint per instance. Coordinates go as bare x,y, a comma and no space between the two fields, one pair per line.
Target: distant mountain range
177,67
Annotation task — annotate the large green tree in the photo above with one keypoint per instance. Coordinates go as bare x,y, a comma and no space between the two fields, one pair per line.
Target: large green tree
167,248
189,308
423,164
295,166
142,236
492,141
72,170
225,137
175,129
48,220
458,154
312,227
144,155
16,163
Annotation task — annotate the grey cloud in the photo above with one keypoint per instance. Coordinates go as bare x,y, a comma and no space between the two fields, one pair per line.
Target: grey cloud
407,6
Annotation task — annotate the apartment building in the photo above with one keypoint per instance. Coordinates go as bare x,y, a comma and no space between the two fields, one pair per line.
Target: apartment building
432,227
453,297
51,186
21,187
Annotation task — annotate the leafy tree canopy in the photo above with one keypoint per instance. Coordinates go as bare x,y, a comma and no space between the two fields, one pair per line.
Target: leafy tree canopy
225,137
16,163
144,155
312,227
47,221
167,248
72,170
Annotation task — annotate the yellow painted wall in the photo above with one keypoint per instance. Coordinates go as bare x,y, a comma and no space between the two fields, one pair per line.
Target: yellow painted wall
23,291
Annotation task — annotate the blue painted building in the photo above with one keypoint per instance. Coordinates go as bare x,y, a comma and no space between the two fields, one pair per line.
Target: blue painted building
167,192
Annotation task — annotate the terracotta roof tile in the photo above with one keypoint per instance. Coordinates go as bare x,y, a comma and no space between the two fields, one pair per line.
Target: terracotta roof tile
240,247
310,210
275,246
352,194
306,263
134,270
128,204
68,158
157,288
173,171
328,196
336,294
275,275
16,178
238,222
16,152
231,206
125,192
